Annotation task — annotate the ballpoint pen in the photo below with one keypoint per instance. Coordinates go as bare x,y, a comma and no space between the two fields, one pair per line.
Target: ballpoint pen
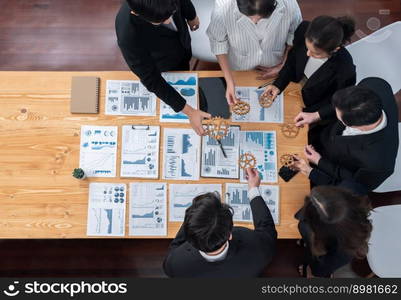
265,84
222,149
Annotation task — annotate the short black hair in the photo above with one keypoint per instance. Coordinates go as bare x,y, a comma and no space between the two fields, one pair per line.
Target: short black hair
358,106
156,11
263,8
328,33
208,222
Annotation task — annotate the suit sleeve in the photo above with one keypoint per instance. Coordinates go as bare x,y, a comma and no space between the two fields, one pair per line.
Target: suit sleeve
188,10
178,241
334,174
142,64
288,72
263,222
345,79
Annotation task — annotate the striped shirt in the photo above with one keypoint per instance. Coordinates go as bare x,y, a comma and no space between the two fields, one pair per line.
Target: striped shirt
248,44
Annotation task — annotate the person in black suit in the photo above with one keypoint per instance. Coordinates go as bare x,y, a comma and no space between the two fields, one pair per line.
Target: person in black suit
207,244
335,228
153,37
362,144
319,62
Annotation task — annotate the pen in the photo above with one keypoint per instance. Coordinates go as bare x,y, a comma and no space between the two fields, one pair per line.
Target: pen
222,149
265,85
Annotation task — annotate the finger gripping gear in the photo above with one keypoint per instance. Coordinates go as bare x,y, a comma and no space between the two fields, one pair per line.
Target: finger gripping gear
241,108
247,160
265,101
287,160
290,130
216,128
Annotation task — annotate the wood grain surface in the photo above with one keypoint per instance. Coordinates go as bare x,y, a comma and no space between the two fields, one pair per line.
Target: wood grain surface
40,141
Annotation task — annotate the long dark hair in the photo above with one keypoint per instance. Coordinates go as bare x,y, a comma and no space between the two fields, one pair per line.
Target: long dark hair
328,33
335,214
263,8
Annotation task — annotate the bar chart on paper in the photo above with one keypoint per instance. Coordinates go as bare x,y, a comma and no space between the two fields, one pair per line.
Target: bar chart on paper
181,196
181,155
106,209
214,164
148,209
237,198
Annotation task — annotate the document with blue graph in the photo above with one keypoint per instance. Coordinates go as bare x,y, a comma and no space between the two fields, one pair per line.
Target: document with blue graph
263,146
148,209
214,164
140,151
237,198
129,97
106,209
181,196
186,84
258,114
98,151
181,152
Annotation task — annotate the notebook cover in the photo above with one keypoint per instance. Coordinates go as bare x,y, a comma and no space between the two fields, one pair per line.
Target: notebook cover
85,95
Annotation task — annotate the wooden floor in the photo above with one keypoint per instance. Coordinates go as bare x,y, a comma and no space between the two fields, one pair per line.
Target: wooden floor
79,35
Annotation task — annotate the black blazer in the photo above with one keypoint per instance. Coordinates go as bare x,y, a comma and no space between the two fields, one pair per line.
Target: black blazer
365,159
335,74
248,254
150,50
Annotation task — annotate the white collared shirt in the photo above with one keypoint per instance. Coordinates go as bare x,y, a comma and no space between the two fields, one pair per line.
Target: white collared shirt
348,131
248,44
313,65
214,258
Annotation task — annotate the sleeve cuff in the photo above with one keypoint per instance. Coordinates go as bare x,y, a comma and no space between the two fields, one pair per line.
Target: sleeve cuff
290,39
219,48
253,193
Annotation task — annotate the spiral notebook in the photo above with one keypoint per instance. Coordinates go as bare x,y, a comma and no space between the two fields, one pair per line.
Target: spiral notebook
85,95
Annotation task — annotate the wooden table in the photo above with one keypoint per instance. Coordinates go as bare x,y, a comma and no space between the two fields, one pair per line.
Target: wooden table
40,141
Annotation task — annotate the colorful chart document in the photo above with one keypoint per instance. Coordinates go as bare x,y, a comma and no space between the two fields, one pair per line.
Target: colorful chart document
181,154
237,198
128,97
106,209
148,209
214,164
258,114
263,146
140,151
186,85
181,196
98,151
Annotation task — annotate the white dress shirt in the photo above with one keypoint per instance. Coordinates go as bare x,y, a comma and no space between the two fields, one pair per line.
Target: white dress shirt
219,257
348,131
313,65
247,44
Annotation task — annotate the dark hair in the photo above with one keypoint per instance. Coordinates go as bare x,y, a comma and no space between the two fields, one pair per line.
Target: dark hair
263,8
328,33
336,214
208,223
155,11
358,106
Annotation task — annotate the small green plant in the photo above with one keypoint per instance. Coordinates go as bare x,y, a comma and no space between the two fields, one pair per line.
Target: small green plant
78,173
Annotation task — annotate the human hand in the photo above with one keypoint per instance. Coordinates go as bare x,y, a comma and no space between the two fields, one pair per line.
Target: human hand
230,94
302,166
195,119
271,91
305,118
312,155
268,72
194,24
252,175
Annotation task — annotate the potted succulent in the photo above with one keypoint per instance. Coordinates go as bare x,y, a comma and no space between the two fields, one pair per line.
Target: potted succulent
78,173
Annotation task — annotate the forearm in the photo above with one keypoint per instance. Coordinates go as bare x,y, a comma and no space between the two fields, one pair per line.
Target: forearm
225,67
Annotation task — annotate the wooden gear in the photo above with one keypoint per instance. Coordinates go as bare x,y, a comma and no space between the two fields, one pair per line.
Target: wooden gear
290,130
216,128
265,101
287,160
241,108
247,160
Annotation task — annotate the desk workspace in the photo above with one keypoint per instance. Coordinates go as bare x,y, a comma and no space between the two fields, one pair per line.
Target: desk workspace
45,143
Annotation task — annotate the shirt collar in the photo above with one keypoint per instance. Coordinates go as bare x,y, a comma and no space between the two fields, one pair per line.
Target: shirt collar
214,258
355,131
